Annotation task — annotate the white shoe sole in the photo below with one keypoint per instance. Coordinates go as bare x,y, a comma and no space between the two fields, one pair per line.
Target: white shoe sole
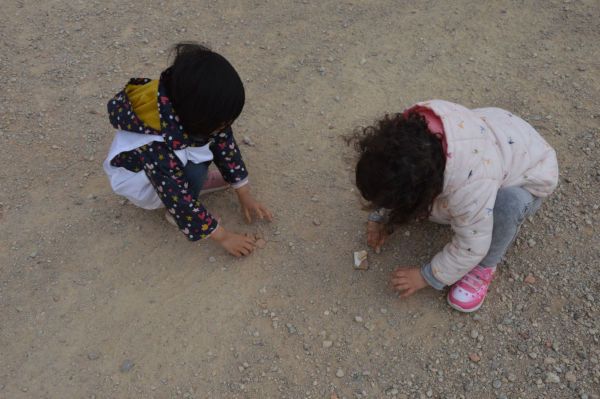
455,306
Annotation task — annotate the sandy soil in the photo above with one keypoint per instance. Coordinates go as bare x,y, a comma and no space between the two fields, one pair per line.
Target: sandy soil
89,283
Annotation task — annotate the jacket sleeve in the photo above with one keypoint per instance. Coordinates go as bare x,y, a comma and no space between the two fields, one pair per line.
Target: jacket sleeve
165,172
228,159
472,212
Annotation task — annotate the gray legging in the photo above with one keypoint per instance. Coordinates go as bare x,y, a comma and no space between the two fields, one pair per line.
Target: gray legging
513,205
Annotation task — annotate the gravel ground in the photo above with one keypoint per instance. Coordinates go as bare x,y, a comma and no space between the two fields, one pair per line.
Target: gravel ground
99,299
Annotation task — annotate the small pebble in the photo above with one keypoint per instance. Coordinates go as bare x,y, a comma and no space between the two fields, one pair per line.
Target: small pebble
552,378
475,358
126,365
212,259
358,319
339,373
327,344
92,356
570,376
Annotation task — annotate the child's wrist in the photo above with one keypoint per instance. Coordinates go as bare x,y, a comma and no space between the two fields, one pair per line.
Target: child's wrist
244,190
218,234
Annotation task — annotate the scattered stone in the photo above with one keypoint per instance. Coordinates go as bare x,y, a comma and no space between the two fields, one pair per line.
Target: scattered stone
248,141
358,319
497,384
529,279
126,365
360,260
474,334
212,259
316,222
531,242
93,356
327,344
291,329
570,376
339,373
552,378
261,243
475,358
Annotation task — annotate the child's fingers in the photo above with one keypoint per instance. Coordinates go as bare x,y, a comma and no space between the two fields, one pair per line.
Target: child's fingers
400,284
259,212
398,273
267,213
247,214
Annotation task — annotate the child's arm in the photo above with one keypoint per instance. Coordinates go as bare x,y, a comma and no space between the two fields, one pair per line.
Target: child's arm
472,222
471,208
165,172
228,158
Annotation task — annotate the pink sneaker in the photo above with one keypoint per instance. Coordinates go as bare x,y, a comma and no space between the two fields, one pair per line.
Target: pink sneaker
467,294
214,182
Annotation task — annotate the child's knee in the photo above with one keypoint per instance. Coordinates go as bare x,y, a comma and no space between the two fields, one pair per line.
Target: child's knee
511,205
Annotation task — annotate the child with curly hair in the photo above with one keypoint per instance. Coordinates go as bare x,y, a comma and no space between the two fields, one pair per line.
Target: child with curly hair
482,171
169,131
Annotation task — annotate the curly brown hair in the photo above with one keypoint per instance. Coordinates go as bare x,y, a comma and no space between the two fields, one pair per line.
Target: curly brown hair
400,167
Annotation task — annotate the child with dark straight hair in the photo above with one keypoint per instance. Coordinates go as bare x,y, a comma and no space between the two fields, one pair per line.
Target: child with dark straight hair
482,171
169,131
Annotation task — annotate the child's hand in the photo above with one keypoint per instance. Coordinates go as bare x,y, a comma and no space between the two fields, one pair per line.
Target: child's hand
250,206
236,244
376,235
408,280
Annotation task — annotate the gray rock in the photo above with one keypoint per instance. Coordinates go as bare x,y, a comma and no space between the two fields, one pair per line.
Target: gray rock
552,378
340,373
291,329
93,356
570,376
126,365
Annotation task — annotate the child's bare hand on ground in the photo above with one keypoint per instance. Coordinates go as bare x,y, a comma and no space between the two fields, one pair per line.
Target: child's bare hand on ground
236,244
407,280
251,206
376,235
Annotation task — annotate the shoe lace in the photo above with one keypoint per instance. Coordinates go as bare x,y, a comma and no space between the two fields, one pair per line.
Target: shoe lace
475,279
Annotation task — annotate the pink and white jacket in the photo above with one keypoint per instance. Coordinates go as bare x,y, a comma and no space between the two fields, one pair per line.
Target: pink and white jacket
487,149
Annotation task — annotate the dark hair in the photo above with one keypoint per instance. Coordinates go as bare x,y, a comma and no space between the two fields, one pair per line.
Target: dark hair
206,91
400,167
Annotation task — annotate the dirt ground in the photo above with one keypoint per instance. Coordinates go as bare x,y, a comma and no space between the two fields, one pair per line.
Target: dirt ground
99,299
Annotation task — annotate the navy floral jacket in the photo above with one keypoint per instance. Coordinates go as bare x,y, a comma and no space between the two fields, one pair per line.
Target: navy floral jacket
164,169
